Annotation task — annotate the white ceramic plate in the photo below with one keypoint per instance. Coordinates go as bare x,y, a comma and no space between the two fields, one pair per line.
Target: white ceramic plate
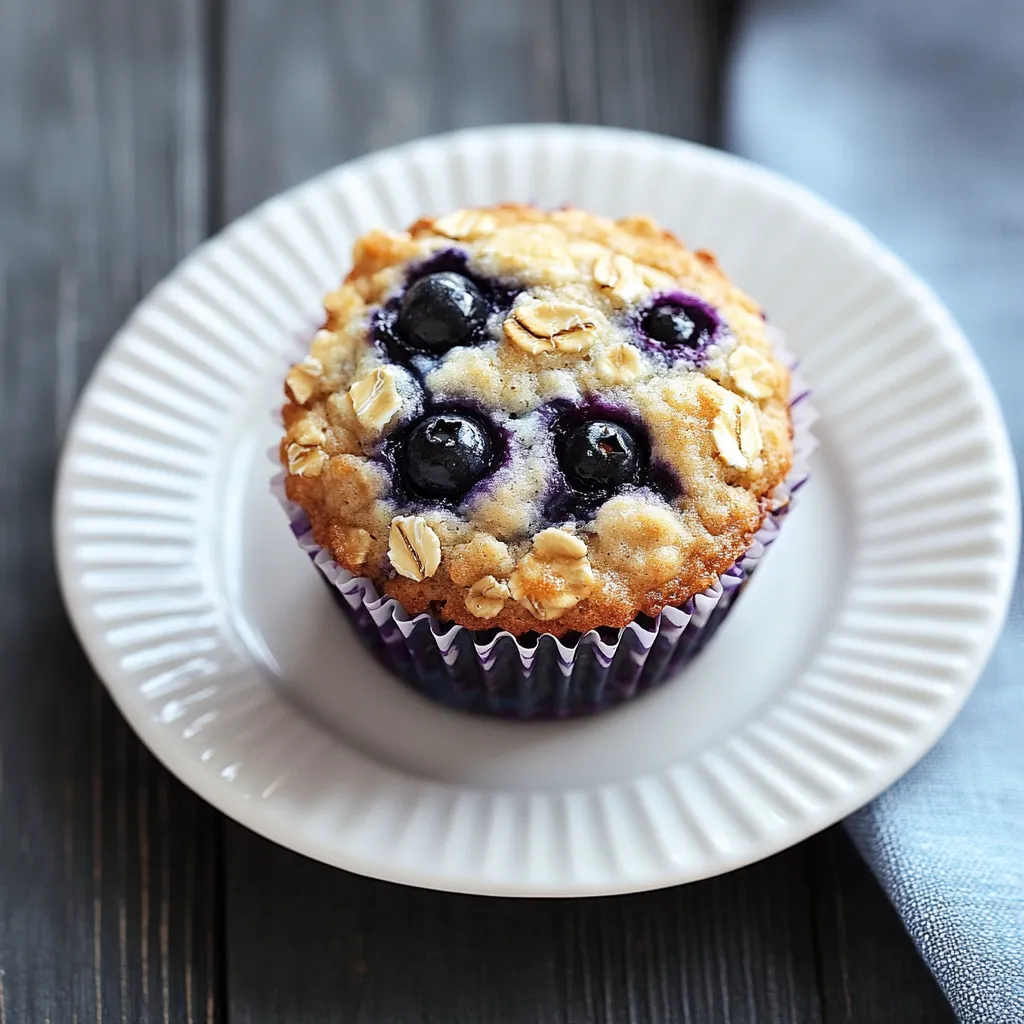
857,643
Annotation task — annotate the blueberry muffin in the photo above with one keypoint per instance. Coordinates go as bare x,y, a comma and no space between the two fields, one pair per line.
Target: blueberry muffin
540,422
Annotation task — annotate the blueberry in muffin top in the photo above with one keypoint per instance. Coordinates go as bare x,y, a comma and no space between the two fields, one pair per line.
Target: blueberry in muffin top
597,455
441,311
445,454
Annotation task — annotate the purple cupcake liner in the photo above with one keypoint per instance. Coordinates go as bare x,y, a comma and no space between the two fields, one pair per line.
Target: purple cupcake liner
538,675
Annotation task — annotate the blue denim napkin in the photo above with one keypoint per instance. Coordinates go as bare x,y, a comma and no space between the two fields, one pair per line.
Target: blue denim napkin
910,116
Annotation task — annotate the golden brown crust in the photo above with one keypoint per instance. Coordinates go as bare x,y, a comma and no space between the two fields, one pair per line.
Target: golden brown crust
722,428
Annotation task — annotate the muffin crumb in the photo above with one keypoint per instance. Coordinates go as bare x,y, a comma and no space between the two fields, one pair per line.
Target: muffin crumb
598,418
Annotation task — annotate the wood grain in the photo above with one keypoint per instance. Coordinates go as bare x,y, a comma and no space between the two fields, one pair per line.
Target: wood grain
322,81
736,949
318,81
107,866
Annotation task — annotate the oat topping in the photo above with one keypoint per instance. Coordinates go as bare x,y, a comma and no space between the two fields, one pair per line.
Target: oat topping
486,597
304,461
554,577
464,224
537,327
303,378
619,278
736,433
413,547
309,430
657,280
619,364
752,373
375,398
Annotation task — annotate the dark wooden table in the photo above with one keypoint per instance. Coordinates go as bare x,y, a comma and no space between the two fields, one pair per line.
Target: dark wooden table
129,131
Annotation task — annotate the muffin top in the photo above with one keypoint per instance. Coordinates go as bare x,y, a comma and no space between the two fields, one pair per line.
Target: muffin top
536,420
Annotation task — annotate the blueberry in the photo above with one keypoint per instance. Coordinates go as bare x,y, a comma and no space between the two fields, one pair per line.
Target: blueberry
441,311
670,325
445,454
679,324
599,456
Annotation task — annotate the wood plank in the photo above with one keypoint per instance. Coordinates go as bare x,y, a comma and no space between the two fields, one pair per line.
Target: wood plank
309,943
316,82
870,971
108,867
648,64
